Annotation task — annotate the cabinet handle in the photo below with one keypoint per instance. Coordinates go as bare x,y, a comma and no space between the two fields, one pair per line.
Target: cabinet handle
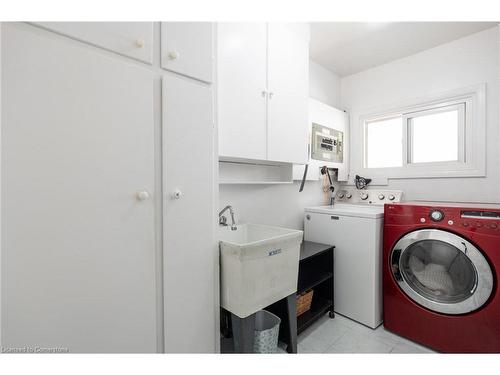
263,93
142,195
173,55
177,194
271,94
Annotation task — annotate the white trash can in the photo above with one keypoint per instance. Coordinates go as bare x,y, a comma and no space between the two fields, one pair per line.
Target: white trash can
267,327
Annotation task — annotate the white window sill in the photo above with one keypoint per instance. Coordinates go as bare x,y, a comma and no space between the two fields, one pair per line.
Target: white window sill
381,176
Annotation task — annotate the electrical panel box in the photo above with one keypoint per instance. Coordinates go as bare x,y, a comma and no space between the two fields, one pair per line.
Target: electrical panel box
327,144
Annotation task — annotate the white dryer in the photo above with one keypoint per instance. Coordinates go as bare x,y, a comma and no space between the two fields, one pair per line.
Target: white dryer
354,225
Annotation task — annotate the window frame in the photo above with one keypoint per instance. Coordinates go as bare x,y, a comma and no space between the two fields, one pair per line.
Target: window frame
472,137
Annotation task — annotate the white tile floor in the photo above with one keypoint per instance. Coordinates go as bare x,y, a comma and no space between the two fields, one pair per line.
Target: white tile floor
342,335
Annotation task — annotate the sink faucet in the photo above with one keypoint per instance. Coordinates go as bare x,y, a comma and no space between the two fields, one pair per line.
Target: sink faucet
223,219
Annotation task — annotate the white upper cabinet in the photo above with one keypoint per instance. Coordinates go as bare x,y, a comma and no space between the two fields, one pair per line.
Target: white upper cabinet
242,93
132,39
263,90
288,85
187,49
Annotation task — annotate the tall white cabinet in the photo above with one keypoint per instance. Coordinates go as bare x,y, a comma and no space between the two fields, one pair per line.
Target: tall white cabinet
263,90
191,251
106,208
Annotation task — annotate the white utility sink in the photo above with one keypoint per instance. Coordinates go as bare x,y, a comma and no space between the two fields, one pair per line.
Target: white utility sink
259,266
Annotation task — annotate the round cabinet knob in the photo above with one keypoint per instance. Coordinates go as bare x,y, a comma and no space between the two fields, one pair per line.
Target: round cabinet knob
142,195
381,196
308,217
139,43
177,194
348,195
173,55
364,196
436,215
340,195
391,197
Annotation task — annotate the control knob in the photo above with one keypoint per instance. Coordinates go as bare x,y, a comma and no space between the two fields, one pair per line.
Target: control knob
381,196
391,197
348,195
364,196
436,215
340,195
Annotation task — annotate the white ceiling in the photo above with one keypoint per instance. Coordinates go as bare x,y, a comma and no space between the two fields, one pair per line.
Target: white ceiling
350,47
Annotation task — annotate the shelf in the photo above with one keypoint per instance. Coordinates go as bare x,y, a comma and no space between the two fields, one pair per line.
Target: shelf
243,182
310,277
319,307
248,173
311,249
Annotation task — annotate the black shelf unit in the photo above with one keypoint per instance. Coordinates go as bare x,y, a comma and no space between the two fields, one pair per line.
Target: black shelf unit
316,273
311,277
319,307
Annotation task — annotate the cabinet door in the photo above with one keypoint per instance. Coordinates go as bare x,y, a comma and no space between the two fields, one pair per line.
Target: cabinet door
358,262
133,39
78,246
241,75
190,248
187,48
288,77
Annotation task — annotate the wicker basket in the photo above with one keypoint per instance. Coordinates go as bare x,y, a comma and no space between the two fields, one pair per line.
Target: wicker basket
304,301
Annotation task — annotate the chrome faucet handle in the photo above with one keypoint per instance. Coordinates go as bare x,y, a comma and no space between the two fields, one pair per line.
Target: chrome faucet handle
223,221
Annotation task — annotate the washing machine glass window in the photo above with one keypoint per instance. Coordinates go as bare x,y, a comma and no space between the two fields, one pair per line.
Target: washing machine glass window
439,270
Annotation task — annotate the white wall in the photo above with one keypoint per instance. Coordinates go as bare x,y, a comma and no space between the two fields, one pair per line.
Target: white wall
283,205
324,85
467,61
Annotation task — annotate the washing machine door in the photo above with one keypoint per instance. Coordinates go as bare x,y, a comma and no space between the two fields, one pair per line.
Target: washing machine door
442,271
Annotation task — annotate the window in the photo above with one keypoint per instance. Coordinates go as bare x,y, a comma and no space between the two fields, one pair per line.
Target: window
379,134
437,135
428,136
444,137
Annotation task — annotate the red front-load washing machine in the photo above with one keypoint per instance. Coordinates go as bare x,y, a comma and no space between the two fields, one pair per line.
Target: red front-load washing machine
441,267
